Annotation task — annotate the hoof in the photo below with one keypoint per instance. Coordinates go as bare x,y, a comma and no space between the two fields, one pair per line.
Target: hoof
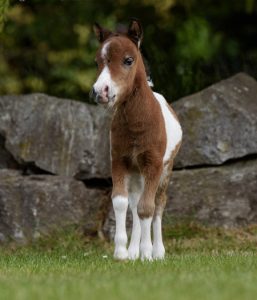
146,253
146,257
133,253
121,254
158,252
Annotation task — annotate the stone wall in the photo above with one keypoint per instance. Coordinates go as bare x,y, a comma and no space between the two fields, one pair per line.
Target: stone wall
55,162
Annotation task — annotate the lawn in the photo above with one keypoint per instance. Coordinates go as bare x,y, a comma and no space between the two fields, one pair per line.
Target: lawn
200,264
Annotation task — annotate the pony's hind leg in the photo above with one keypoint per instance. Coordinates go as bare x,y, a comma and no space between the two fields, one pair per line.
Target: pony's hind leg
160,203
158,247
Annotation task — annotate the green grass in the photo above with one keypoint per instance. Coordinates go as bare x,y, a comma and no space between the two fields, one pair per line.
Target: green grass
201,264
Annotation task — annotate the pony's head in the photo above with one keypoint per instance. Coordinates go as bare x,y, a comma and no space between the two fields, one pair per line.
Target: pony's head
119,60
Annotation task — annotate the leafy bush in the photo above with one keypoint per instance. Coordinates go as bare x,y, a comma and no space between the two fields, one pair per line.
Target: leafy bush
48,46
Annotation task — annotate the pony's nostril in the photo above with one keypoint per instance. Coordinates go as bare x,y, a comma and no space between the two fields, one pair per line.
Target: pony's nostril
106,90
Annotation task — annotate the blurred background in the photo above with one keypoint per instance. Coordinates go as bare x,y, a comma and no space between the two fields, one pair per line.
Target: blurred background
49,46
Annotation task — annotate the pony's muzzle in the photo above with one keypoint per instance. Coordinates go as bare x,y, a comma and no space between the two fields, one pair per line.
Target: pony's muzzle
102,97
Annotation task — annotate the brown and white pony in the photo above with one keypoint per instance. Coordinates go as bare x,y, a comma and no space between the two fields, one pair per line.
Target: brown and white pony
145,137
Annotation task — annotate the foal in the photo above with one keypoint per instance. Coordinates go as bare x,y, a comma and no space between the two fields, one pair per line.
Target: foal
145,137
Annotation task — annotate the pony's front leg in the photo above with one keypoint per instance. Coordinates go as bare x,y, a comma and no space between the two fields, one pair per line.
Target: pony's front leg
133,250
120,205
146,206
136,184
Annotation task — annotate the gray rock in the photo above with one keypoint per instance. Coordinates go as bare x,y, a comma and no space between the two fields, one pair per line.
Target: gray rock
215,196
219,123
219,196
60,136
71,138
37,204
6,159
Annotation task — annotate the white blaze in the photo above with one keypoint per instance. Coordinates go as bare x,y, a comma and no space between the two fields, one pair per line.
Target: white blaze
105,79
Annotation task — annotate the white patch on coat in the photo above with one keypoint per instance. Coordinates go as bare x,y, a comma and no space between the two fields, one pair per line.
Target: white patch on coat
120,205
158,247
172,126
136,187
146,242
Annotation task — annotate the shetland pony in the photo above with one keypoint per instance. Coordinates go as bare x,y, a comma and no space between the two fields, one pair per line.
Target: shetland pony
145,137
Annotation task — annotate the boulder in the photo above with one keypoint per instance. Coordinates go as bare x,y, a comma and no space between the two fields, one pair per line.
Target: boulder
224,196
6,159
71,138
218,196
59,136
37,204
219,123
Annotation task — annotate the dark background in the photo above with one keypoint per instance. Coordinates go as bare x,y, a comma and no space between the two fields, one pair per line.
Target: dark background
49,47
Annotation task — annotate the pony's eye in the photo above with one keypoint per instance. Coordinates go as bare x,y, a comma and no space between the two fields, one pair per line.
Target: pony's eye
128,61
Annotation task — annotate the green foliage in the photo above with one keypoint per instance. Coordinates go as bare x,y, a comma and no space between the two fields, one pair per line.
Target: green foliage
48,46
3,9
196,41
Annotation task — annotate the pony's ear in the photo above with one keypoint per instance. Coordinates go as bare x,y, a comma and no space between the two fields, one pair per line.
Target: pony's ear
135,32
101,33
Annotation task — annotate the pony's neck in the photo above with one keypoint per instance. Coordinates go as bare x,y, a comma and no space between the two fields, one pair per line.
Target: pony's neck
140,89
139,100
